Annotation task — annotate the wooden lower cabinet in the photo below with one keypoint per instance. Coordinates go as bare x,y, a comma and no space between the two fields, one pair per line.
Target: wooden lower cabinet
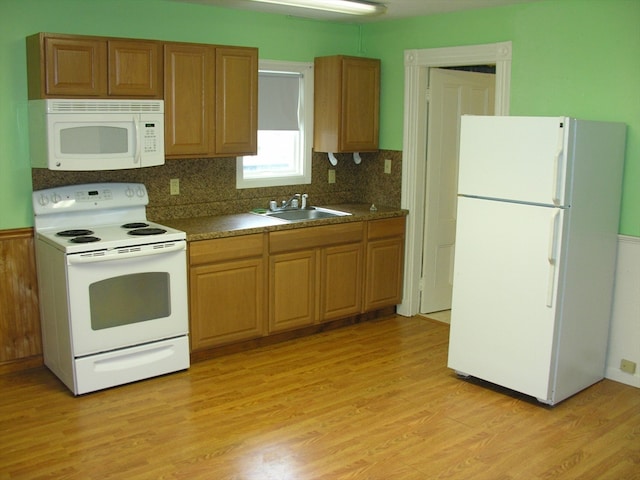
292,290
384,264
249,286
315,274
226,290
341,281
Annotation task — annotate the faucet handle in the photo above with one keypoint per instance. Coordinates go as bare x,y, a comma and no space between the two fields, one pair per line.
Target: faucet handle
304,197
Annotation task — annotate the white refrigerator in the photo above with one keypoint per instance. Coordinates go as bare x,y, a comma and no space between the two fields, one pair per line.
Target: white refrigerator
536,238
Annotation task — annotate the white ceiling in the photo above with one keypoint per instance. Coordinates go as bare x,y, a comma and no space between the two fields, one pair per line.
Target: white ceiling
395,8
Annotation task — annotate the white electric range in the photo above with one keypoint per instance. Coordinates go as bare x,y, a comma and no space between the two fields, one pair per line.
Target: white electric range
113,286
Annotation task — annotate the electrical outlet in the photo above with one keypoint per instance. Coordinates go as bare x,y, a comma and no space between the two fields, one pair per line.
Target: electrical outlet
174,186
628,366
387,165
332,176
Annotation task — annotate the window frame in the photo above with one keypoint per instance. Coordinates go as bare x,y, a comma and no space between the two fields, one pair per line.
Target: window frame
306,127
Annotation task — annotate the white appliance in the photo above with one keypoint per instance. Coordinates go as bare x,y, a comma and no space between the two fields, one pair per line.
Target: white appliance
537,223
67,134
113,286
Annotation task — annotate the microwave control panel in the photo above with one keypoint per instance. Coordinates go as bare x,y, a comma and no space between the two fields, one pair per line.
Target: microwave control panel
151,137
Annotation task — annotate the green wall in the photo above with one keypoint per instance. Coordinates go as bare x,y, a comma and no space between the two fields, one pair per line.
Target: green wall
578,58
277,36
570,57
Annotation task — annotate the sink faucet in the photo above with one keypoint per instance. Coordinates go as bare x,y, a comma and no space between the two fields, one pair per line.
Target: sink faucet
290,203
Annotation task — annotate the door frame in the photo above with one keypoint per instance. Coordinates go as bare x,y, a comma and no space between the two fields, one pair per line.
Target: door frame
414,144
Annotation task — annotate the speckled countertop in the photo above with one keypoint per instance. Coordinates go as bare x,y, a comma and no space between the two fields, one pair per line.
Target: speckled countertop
204,228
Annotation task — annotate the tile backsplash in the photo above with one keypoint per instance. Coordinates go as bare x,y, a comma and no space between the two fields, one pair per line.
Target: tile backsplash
208,185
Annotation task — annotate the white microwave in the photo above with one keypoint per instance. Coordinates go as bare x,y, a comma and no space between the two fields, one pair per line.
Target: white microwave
82,135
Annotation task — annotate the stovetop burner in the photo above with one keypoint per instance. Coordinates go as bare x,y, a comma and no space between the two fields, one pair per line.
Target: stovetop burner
109,215
147,231
74,233
84,239
135,225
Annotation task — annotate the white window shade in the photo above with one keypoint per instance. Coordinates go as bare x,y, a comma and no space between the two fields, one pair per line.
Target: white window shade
285,127
278,101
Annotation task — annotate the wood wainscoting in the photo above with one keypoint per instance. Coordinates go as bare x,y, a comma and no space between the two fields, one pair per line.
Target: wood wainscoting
20,338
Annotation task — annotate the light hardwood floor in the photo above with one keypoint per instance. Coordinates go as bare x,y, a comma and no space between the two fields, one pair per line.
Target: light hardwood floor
370,401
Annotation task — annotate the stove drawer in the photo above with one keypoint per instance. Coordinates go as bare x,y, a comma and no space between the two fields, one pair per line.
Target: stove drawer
105,370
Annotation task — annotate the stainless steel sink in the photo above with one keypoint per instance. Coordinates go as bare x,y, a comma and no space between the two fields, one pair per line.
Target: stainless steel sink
301,215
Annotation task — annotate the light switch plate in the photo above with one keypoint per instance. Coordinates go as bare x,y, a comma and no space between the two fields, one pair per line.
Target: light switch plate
387,165
332,176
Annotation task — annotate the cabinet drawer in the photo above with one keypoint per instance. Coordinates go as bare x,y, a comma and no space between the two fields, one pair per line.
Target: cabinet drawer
221,249
313,237
388,227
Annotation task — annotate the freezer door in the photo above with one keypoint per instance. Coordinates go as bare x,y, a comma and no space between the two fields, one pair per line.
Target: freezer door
504,294
514,158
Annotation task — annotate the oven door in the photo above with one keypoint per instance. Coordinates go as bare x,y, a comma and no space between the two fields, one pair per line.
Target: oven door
123,298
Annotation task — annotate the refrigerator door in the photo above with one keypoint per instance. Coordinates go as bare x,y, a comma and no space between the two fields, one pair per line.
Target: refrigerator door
522,159
504,294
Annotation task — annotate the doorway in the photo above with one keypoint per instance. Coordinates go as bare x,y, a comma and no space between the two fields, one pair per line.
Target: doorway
452,93
418,64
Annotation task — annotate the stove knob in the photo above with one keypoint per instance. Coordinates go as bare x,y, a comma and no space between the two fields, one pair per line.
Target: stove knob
129,192
56,198
140,191
43,200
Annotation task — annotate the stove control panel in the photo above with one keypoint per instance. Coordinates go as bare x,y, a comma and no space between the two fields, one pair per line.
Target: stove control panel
73,198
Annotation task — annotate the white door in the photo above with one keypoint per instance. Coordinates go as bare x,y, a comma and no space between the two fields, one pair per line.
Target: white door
514,158
504,294
452,94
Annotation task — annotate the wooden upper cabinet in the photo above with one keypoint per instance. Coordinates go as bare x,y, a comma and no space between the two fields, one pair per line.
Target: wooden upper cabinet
189,101
66,66
236,100
135,68
78,66
211,100
210,91
346,104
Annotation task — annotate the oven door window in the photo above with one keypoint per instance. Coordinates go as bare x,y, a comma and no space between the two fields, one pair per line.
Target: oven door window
128,299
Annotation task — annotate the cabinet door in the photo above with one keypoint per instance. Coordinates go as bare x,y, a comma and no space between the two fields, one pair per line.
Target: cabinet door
360,104
189,101
227,302
383,279
135,68
341,281
75,67
236,101
292,287
346,104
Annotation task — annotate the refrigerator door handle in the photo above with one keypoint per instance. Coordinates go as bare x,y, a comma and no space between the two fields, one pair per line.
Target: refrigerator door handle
557,165
552,256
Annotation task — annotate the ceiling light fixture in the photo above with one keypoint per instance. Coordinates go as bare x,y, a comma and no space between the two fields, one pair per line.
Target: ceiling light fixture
349,7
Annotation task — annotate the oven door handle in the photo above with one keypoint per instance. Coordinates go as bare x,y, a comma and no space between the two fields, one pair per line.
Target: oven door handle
125,253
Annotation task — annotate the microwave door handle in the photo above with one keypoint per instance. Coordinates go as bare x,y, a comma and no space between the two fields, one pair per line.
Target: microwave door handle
136,124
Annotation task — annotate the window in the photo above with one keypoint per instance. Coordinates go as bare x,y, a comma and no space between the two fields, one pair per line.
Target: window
285,127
